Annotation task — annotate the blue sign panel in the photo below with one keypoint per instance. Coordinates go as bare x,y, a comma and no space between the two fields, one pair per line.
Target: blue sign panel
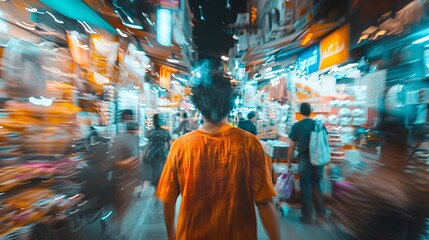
309,60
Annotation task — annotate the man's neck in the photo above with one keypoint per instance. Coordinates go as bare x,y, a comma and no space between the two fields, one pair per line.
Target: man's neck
209,127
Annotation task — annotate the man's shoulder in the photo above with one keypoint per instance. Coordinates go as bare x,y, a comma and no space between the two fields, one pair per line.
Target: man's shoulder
304,122
245,123
244,135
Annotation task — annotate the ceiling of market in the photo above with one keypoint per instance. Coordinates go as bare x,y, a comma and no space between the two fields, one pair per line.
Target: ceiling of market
59,16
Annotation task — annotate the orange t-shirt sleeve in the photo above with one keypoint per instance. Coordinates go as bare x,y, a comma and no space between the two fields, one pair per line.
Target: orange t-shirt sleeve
262,185
169,187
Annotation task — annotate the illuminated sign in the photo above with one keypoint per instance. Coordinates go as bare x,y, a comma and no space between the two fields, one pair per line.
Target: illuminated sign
309,60
334,49
165,76
170,4
163,30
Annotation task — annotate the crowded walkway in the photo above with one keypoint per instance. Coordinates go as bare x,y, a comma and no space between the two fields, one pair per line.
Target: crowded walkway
145,221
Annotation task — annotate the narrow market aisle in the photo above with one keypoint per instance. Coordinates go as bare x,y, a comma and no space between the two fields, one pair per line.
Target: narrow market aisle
145,222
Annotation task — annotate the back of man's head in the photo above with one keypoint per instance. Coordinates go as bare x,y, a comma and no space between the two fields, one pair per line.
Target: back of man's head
305,109
127,115
212,92
251,114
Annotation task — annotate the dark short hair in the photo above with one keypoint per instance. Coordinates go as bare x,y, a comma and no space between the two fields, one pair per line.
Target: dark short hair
239,113
156,122
305,109
212,92
251,115
127,113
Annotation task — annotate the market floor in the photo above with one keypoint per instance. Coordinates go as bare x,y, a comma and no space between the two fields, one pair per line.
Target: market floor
145,222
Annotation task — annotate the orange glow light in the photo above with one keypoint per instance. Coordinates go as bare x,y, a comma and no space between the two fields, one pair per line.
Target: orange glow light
307,39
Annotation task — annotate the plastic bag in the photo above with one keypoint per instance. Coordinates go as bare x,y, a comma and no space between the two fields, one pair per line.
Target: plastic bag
284,185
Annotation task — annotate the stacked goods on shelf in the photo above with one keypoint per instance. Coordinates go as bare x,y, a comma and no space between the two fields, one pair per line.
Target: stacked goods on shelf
40,129
276,149
107,108
34,134
31,193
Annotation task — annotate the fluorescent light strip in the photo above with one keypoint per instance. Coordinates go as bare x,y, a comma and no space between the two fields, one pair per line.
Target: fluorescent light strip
87,25
121,33
84,26
55,19
31,9
421,40
147,40
170,60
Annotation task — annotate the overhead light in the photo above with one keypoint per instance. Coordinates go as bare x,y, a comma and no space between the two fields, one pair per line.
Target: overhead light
180,79
225,58
235,37
121,33
31,9
363,37
173,59
275,70
257,76
201,13
379,33
421,40
307,39
42,101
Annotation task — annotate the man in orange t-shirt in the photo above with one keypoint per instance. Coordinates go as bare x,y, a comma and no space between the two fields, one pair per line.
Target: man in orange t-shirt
220,171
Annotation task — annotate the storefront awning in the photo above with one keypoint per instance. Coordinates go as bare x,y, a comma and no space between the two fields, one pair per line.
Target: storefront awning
78,10
290,44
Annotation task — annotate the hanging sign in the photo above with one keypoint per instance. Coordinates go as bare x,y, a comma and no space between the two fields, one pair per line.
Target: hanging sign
170,4
309,60
163,30
334,49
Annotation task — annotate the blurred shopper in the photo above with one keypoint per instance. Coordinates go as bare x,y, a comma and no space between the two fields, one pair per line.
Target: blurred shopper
220,171
159,146
239,118
124,146
249,124
195,121
310,176
388,200
185,125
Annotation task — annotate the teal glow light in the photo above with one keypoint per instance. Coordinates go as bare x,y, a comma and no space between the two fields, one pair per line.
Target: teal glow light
79,10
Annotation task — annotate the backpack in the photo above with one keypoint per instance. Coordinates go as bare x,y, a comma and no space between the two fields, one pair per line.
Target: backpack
319,146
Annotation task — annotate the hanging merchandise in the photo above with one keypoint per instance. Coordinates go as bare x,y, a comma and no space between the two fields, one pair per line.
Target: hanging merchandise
104,50
79,48
107,107
22,69
134,67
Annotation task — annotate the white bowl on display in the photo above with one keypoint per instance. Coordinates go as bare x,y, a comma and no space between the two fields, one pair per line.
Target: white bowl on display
344,112
320,117
334,103
347,130
345,121
333,119
359,121
345,103
358,112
